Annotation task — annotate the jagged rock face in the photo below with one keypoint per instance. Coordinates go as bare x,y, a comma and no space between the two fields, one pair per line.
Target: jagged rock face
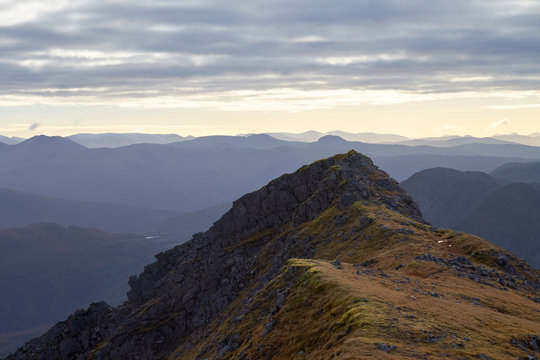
190,285
176,303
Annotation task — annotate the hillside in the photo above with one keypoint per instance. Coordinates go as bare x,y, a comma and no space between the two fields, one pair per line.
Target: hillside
509,217
528,172
446,196
48,271
181,227
475,202
332,261
20,209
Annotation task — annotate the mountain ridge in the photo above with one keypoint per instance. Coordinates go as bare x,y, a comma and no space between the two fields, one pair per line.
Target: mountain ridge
337,240
20,208
187,179
49,270
497,209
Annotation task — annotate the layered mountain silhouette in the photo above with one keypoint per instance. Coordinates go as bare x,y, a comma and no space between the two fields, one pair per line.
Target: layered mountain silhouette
114,140
10,140
454,140
507,214
531,139
182,226
20,209
196,174
48,271
256,141
331,261
519,172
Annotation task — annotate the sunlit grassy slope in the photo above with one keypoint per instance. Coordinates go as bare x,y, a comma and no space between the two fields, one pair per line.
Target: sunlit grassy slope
385,298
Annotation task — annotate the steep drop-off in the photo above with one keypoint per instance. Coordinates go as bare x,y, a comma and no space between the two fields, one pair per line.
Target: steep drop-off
332,261
505,214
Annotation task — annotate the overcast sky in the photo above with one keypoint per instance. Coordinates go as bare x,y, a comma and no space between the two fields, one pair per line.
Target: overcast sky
415,67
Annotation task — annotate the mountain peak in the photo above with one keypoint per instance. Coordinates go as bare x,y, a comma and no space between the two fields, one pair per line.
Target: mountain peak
319,262
304,194
331,139
40,141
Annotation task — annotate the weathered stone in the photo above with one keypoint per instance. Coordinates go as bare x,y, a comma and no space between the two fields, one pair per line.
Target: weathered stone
385,347
187,287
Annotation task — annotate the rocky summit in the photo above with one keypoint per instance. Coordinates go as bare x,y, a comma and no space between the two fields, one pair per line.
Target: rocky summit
333,261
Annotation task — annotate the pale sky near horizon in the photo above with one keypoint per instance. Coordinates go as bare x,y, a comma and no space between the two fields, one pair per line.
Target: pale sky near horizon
417,68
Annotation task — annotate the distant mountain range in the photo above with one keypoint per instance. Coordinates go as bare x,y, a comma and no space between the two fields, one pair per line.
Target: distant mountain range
10,140
114,140
489,206
311,136
447,141
48,271
532,139
258,141
195,174
20,209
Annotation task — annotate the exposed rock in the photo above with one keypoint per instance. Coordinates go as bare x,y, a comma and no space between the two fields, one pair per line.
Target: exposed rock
385,347
237,273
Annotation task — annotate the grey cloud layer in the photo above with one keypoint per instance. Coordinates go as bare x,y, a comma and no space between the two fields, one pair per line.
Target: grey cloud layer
417,45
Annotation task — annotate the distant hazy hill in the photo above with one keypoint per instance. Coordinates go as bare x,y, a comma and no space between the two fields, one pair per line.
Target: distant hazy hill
454,141
509,217
19,209
47,271
506,214
258,141
402,167
308,136
182,226
446,196
311,136
114,140
368,137
10,140
193,175
532,139
519,172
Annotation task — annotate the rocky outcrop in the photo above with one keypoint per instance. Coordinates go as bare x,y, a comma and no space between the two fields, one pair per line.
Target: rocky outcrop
174,299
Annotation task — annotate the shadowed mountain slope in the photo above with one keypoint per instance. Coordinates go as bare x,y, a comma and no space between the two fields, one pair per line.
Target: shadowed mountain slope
528,173
446,196
20,209
181,227
48,271
506,214
509,217
332,261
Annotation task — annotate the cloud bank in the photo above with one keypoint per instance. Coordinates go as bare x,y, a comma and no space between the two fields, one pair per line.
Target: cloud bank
261,55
